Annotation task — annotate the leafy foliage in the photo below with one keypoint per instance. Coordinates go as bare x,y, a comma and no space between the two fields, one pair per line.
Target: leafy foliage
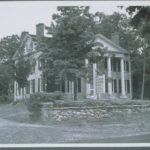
8,46
9,70
71,41
108,24
140,16
22,71
5,99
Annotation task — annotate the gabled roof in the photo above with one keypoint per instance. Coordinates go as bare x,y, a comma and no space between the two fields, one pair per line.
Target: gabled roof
23,41
117,48
33,37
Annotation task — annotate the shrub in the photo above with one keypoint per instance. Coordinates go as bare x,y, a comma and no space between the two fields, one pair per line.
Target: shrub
5,99
34,102
34,106
47,97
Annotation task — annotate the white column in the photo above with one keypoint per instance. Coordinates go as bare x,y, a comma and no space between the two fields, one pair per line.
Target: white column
123,94
109,76
31,87
66,88
86,62
21,93
87,84
130,79
15,90
94,78
40,83
36,85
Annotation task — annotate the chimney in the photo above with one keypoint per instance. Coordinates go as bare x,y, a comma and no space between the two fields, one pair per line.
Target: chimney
115,37
40,30
24,34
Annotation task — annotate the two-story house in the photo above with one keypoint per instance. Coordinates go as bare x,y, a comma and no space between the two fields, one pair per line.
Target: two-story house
114,83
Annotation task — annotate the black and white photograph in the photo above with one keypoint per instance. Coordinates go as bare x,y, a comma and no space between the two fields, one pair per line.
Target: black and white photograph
74,72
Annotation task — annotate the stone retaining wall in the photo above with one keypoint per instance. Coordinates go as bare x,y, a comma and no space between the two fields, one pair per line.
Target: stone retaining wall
71,113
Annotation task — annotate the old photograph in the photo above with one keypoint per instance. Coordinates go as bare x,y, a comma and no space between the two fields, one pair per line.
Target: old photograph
74,72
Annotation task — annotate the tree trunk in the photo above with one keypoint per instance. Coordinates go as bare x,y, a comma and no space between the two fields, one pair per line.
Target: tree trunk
143,80
75,89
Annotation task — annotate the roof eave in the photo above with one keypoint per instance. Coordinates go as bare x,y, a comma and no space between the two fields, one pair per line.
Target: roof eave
122,50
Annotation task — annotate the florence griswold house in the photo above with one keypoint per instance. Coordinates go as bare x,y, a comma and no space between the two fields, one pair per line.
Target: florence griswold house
114,83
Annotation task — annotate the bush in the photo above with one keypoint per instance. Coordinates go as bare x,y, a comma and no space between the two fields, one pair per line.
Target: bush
34,102
34,106
47,97
5,99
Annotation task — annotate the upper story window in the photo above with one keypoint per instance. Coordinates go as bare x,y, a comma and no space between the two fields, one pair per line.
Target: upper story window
39,64
113,64
33,66
34,45
29,46
126,66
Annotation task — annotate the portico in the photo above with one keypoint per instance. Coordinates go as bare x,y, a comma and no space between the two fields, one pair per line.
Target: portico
116,76
117,79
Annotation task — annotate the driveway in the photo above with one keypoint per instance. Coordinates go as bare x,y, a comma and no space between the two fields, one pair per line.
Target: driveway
16,128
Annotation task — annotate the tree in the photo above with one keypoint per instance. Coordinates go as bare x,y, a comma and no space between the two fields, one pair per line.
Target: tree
130,40
140,20
116,22
23,68
8,46
71,40
10,71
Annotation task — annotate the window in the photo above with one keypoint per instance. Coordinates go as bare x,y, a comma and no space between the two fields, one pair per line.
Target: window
106,87
105,63
79,84
33,85
114,65
115,86
124,65
39,84
16,88
67,86
91,75
34,46
71,88
119,86
39,64
119,67
22,91
28,88
128,86
43,85
33,68
31,46
63,86
127,66
19,91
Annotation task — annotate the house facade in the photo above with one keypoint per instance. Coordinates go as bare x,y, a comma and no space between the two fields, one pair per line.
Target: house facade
114,82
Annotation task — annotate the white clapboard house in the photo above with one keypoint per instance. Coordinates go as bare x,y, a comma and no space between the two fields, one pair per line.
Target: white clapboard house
115,83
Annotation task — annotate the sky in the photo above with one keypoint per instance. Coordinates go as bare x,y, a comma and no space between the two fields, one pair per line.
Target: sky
19,16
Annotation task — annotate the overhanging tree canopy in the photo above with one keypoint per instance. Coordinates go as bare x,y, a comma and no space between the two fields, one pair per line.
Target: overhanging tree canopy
70,43
140,20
